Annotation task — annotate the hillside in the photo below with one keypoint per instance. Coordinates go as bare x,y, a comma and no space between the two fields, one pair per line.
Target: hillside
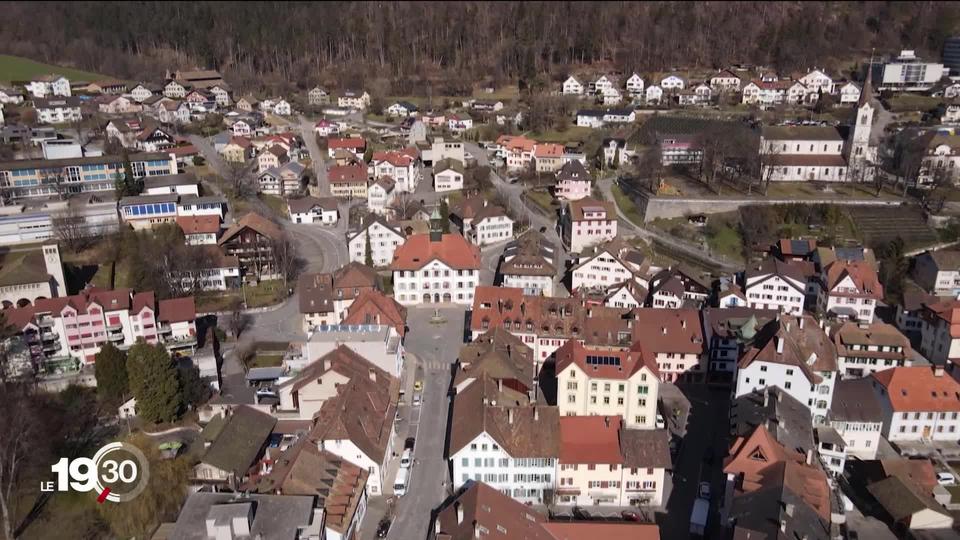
446,47
14,68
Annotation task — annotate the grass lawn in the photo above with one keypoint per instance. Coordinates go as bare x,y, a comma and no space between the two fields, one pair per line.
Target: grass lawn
806,190
267,293
572,133
907,102
277,204
626,205
499,94
263,359
543,199
15,68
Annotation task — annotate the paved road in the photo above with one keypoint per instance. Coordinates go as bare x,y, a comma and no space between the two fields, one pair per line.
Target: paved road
316,155
436,347
707,433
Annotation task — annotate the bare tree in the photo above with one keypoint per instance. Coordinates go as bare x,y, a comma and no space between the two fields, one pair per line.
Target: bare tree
652,163
768,158
17,451
285,259
56,179
403,206
71,229
239,179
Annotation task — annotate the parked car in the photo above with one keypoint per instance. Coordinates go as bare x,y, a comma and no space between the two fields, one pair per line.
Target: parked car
383,528
946,479
416,400
407,458
704,490
418,386
630,515
580,513
661,423
408,444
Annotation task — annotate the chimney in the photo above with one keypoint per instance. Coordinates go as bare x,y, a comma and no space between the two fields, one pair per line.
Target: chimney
326,364
800,322
606,421
779,344
766,397
938,370
499,385
509,416
664,330
683,323
459,508
536,414
810,456
788,326
373,375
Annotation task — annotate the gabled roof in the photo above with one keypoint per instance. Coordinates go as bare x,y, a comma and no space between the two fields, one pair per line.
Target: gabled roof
347,174
604,362
805,345
587,204
919,388
305,204
499,355
199,224
863,276
667,330
256,223
452,250
801,133
177,310
362,412
573,171
522,431
446,164
350,143
239,442
373,307
902,499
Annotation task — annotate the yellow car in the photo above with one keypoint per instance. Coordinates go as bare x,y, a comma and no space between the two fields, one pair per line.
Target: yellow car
418,386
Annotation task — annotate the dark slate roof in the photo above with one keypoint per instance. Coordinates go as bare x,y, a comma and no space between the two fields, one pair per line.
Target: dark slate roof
784,417
240,440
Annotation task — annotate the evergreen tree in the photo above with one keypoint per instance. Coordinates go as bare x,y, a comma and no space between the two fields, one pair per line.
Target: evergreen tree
154,382
368,253
113,383
444,216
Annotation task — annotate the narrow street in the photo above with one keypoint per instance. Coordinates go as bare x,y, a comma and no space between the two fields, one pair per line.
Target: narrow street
436,345
317,156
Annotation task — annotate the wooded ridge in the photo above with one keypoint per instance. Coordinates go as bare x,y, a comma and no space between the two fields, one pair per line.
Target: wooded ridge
412,44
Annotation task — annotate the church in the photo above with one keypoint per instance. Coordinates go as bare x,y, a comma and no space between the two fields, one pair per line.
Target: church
821,153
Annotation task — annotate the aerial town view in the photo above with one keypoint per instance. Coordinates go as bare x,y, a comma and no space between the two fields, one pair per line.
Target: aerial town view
480,270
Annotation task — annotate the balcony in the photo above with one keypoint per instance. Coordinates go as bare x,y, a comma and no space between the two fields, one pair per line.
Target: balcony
114,327
46,322
49,336
164,328
184,342
115,337
51,347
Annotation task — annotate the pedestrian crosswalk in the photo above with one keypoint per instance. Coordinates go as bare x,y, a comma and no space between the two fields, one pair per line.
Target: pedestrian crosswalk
436,365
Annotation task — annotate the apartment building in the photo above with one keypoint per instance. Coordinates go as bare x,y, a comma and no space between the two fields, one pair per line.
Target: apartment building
849,290
863,349
382,237
528,263
77,326
588,222
918,403
794,354
325,298
607,381
776,284
938,272
674,338
513,448
857,417
602,463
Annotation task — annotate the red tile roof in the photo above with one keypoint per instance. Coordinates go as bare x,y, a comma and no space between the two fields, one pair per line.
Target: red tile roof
372,307
590,439
577,209
919,388
864,278
573,352
397,159
667,330
177,310
347,174
351,143
199,224
544,150
452,249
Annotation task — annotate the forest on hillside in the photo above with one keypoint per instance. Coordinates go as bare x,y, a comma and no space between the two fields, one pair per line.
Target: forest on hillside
450,44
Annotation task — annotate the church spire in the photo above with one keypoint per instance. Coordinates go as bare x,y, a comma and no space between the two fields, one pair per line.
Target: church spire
866,94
